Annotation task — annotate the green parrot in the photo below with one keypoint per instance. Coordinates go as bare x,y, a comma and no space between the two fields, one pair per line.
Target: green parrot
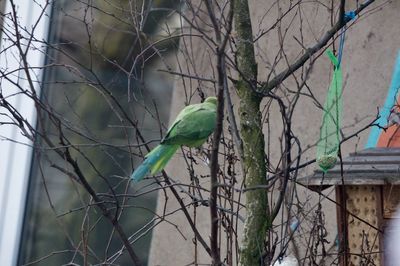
191,128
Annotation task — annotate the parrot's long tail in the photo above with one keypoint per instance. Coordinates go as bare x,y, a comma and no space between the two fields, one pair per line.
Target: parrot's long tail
155,161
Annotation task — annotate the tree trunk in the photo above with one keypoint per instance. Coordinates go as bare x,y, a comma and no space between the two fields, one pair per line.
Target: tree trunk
257,222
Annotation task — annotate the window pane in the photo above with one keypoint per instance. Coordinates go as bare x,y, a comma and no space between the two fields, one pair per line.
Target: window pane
2,6
99,83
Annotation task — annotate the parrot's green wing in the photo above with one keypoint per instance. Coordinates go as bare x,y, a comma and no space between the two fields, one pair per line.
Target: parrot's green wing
192,126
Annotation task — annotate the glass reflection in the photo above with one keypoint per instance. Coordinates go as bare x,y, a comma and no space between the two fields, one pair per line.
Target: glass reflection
95,48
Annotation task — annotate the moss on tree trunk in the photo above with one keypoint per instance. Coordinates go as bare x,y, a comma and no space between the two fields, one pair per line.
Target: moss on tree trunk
255,229
256,224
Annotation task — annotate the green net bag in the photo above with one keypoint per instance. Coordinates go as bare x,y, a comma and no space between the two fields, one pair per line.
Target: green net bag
329,140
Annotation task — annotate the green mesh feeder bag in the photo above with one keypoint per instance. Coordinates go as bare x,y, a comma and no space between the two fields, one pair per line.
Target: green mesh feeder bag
329,140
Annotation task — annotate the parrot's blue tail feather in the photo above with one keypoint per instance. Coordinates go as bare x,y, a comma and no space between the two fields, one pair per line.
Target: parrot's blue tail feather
155,161
140,172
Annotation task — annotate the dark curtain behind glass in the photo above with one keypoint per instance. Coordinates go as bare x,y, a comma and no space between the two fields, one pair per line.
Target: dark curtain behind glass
92,46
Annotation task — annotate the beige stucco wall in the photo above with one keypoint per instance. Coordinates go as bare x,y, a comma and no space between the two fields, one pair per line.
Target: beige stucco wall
370,50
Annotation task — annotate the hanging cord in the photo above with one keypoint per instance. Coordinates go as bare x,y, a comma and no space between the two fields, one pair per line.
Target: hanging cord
348,16
341,45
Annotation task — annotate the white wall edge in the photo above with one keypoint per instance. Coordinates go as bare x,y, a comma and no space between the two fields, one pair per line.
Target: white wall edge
16,157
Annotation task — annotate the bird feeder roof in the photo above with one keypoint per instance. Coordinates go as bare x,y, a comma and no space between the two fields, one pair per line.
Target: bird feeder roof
373,166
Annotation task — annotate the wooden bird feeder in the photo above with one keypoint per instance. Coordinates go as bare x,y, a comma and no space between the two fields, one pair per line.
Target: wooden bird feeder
369,186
